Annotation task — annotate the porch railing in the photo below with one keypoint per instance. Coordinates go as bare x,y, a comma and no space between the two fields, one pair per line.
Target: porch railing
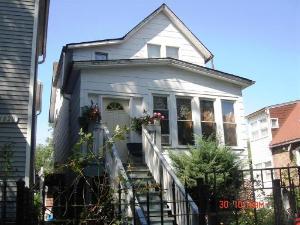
181,204
118,176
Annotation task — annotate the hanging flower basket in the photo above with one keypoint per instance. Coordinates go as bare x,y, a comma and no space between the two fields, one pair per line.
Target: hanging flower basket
90,114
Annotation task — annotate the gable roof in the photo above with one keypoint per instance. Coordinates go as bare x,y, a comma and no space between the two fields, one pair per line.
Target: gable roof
270,107
174,19
289,132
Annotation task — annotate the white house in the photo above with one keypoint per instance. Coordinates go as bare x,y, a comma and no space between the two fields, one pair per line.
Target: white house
158,66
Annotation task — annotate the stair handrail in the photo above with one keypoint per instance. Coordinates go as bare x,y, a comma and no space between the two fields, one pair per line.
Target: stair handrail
121,170
166,165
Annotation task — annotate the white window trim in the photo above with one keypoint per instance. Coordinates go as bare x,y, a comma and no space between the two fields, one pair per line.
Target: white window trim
99,52
271,124
170,46
160,49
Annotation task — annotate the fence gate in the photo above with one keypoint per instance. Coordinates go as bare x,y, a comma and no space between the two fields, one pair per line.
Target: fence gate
250,197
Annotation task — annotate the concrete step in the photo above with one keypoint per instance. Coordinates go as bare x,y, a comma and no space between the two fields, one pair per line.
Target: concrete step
166,220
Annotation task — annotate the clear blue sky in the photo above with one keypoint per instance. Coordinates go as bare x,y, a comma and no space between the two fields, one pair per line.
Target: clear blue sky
257,39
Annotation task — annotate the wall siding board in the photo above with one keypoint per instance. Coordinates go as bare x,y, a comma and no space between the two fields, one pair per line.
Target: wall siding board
159,30
16,34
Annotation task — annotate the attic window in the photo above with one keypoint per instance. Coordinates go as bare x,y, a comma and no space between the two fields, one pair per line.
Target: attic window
274,123
101,56
153,51
172,52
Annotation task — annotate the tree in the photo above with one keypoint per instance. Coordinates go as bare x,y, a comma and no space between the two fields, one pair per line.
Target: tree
44,156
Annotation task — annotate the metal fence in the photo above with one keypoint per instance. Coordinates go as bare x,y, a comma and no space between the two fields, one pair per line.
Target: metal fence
16,204
256,196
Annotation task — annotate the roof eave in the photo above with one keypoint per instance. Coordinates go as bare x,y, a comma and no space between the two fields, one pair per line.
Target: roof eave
242,82
287,142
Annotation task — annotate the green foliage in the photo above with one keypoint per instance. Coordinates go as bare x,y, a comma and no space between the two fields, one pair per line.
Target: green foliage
6,155
207,156
89,114
265,216
79,160
44,156
137,123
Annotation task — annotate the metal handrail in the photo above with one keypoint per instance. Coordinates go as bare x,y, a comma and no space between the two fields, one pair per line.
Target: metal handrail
115,155
169,170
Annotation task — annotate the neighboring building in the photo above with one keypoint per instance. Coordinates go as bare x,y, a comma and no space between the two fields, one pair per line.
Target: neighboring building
275,135
23,32
159,66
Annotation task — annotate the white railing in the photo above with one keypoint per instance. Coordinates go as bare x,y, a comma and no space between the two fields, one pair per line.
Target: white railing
184,209
117,173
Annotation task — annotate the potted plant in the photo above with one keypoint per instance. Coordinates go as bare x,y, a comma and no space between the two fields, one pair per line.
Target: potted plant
90,114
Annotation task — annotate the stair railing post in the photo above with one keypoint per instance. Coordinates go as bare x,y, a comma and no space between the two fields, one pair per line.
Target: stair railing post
202,200
20,202
43,202
187,204
133,205
120,201
174,201
161,204
4,201
148,204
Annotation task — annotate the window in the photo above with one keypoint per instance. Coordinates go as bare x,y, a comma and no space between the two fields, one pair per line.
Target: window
153,51
229,124
274,123
259,129
184,121
101,56
114,106
172,52
160,104
255,134
208,124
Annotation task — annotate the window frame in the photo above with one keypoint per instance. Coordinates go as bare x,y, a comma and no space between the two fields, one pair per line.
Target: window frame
168,109
174,47
277,123
153,45
230,123
103,54
214,115
191,120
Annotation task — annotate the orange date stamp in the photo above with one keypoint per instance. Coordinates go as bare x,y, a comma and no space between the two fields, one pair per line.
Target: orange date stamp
242,204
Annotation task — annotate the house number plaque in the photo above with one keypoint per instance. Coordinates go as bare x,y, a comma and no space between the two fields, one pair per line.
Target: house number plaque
8,118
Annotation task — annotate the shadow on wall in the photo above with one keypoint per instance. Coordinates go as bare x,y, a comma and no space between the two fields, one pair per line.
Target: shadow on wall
17,21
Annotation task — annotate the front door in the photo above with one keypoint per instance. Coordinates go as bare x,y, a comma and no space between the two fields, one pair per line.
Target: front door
116,112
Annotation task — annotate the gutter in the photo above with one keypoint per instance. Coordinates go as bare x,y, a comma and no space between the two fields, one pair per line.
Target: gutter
45,13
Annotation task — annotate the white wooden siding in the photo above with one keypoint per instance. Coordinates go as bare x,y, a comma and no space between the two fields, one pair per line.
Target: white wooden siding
143,82
158,30
16,35
139,80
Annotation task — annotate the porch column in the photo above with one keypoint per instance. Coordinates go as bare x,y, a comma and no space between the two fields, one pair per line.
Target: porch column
196,115
219,120
173,121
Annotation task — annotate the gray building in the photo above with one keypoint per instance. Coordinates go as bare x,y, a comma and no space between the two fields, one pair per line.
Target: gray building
23,32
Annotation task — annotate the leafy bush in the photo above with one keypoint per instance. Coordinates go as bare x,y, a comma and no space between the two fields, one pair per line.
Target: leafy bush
206,157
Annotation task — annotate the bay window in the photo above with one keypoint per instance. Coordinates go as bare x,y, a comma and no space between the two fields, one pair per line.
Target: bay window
160,105
184,121
208,125
229,124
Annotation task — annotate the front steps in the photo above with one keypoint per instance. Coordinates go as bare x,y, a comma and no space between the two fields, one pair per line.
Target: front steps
140,177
